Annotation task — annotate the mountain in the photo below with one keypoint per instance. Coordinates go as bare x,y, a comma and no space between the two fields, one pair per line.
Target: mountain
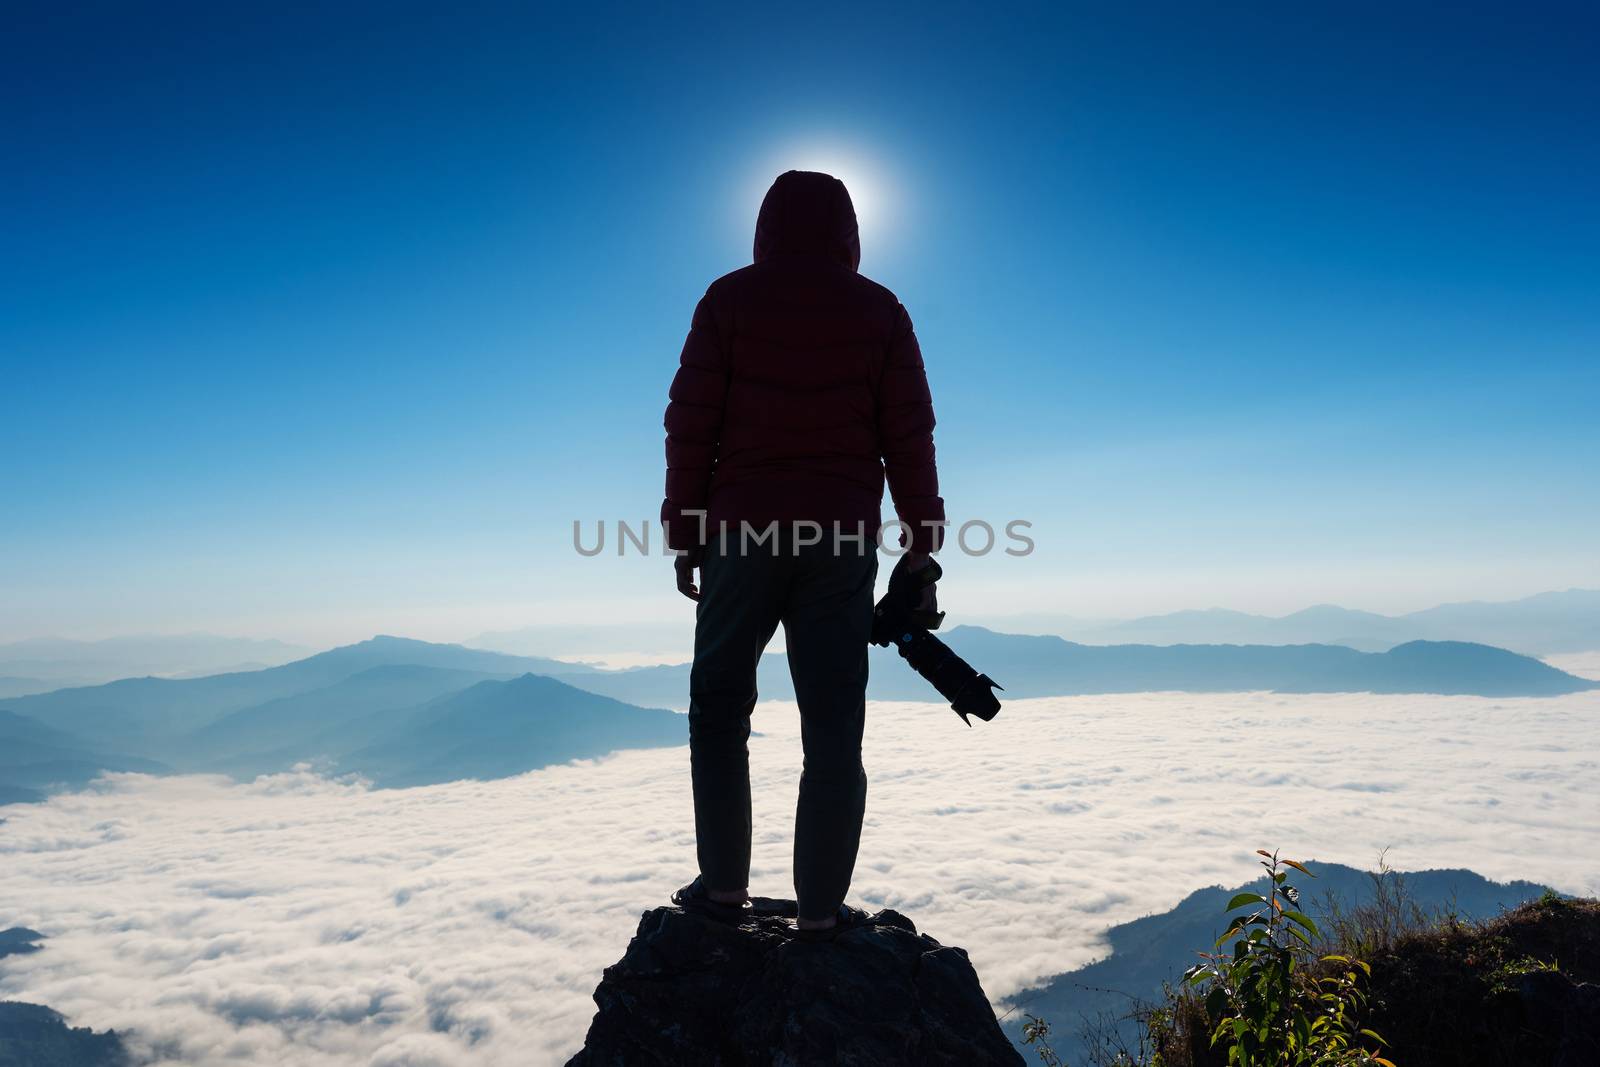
397,710
1032,666
62,662
32,1035
1153,950
495,729
294,721
36,759
1546,624
146,714
1050,666
19,941
404,711
11,686
1320,624
1541,625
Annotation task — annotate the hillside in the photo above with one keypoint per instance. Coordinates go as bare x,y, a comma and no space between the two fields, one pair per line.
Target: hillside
495,729
1151,952
1520,988
286,722
143,714
32,1035
36,759
380,697
1523,988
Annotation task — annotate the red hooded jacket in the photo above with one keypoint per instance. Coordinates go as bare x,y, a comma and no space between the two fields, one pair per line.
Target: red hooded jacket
801,386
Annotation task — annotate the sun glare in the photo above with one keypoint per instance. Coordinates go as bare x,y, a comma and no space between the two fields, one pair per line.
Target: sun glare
869,189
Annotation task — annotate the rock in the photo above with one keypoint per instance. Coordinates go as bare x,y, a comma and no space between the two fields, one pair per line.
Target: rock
692,990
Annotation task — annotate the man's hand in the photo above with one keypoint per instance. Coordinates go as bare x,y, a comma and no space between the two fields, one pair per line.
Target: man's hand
916,561
685,566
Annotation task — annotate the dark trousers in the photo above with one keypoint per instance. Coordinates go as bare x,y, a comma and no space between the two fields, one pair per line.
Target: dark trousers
823,597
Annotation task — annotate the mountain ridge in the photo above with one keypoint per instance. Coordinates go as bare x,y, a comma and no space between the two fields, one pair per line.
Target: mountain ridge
494,729
131,709
367,708
1034,665
1545,623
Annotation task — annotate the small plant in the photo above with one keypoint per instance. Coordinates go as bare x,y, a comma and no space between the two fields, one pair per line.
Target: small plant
1266,1005
1036,1032
1504,978
1369,930
1550,900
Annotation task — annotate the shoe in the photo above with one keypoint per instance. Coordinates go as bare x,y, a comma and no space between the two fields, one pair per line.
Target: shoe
848,919
694,898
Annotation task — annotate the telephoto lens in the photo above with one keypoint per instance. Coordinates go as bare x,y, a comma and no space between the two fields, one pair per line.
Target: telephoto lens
897,621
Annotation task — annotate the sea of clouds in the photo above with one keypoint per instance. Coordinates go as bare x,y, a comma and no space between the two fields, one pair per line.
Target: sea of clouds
301,920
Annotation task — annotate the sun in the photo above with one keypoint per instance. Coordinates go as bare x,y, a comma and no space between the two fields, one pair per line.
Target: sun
862,175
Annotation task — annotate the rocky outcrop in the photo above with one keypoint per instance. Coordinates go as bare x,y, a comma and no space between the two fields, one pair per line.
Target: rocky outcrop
692,990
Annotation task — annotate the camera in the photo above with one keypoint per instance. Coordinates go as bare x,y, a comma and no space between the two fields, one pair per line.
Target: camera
897,621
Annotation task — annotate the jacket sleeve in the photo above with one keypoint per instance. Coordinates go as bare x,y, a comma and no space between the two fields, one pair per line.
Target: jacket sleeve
905,436
694,427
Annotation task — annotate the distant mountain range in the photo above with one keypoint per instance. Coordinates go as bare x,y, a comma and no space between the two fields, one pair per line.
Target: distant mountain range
1155,949
397,711
1030,666
132,711
36,758
44,663
1546,624
1541,625
350,712
405,712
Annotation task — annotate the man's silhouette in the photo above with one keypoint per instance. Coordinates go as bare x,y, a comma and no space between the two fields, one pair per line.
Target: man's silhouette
800,388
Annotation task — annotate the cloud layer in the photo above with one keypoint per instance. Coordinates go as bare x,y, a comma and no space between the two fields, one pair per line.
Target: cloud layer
307,921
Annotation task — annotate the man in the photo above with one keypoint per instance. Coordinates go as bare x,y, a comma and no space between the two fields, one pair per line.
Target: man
800,388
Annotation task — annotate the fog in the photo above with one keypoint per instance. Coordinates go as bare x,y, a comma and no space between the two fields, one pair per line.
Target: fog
298,919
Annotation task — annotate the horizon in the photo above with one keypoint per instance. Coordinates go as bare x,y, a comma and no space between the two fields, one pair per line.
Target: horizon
987,621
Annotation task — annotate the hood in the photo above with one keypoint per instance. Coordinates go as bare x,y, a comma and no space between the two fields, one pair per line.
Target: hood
810,214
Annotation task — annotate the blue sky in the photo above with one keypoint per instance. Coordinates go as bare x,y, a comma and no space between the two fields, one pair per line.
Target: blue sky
315,324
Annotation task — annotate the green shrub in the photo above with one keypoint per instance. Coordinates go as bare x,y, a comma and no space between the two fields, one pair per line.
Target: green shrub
1446,992
1267,1005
